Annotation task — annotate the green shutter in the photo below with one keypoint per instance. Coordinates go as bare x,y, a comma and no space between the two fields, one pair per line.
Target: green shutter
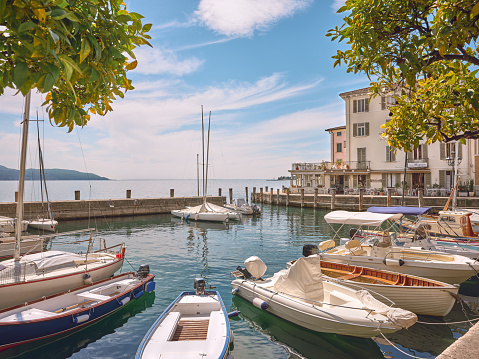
366,125
427,180
368,181
384,180
355,106
443,154
355,129
393,155
388,149
424,151
460,149
398,178
383,103
355,181
366,105
442,177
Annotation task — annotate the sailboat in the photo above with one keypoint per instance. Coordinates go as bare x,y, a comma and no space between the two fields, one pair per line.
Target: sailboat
206,211
26,278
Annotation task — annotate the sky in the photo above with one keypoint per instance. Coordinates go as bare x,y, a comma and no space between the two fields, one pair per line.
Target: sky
263,69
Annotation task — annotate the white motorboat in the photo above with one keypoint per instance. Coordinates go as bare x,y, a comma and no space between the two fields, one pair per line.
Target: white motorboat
44,224
194,326
8,225
29,244
301,295
380,253
204,212
416,294
239,205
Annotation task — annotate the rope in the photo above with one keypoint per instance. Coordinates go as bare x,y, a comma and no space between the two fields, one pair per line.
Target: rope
394,345
130,265
447,323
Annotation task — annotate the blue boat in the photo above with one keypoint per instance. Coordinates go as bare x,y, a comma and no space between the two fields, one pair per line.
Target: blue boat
70,311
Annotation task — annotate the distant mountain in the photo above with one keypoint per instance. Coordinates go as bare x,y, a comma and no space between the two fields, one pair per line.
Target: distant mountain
53,174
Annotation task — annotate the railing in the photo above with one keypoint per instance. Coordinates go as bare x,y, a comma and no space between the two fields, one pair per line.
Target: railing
332,166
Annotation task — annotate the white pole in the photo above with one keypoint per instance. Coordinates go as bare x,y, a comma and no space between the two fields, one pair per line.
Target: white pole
21,178
456,154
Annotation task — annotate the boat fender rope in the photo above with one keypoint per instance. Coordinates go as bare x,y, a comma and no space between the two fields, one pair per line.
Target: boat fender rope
394,345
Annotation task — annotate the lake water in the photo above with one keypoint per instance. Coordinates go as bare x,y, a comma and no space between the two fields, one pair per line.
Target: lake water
177,252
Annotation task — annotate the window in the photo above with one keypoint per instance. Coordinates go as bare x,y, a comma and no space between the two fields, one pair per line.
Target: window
360,129
418,153
361,105
339,147
450,148
361,158
338,133
387,101
390,155
344,144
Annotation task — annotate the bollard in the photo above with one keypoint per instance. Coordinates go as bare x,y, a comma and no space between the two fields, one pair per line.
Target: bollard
253,197
246,190
277,196
361,192
266,189
271,196
77,195
390,192
315,204
231,195
261,194
420,195
287,197
16,196
333,199
219,192
172,192
302,197
128,193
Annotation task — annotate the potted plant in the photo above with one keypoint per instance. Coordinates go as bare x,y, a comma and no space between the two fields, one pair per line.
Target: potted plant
397,185
338,163
471,188
381,191
462,189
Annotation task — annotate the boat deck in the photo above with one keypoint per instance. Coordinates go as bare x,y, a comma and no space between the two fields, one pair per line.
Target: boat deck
191,330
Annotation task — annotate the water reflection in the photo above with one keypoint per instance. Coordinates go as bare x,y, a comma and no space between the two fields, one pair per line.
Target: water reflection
66,345
299,342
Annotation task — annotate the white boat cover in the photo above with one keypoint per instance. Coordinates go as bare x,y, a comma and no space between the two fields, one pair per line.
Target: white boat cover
401,317
51,259
359,218
303,279
255,266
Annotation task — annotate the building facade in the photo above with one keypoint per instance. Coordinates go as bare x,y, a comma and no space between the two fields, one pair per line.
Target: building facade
367,161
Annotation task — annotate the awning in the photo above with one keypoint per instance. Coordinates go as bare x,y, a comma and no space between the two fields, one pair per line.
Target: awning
359,218
412,211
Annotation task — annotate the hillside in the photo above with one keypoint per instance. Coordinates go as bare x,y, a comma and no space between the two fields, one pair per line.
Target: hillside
52,174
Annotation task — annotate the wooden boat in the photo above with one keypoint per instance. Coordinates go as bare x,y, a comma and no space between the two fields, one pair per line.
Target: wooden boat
72,310
382,254
195,325
302,296
416,294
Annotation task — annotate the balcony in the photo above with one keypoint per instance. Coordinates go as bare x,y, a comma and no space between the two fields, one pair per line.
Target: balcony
331,166
418,163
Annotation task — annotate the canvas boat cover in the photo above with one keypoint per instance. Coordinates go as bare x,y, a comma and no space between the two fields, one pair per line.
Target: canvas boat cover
401,317
406,211
50,259
303,279
359,218
255,266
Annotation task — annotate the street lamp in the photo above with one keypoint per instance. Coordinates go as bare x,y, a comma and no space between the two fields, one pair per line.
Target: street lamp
454,162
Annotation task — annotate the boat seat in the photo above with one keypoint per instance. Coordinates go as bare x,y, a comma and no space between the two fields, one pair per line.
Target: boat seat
354,247
93,296
325,245
350,276
339,298
170,321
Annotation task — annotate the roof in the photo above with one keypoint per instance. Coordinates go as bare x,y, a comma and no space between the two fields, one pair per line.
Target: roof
413,211
355,92
336,128
359,218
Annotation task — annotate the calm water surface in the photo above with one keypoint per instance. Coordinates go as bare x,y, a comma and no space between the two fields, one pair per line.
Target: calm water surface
177,252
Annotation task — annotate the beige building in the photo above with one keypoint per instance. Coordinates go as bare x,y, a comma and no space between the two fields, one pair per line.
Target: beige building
366,159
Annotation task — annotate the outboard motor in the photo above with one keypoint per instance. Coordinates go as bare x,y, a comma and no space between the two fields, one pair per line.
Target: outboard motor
353,232
244,271
200,286
310,249
143,271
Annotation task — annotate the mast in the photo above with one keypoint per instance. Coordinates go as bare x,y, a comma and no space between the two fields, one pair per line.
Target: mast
203,150
207,154
21,177
198,173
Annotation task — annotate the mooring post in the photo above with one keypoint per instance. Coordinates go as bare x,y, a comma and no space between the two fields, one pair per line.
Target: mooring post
302,197
333,199
219,192
271,196
231,195
361,192
266,189
420,195
128,193
277,196
246,190
287,197
390,192
253,197
77,195
16,196
261,194
315,204
172,192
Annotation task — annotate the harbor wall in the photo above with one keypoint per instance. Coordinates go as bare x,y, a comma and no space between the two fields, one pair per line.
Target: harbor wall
82,209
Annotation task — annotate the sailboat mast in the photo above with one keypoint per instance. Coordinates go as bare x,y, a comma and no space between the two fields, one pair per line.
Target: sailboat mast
198,173
207,154
21,178
203,149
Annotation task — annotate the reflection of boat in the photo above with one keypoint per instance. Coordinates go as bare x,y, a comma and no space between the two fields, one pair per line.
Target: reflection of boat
300,295
202,225
195,325
239,205
65,345
381,253
72,310
307,343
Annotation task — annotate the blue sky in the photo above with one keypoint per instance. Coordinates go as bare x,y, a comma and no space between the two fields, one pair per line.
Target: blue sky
263,69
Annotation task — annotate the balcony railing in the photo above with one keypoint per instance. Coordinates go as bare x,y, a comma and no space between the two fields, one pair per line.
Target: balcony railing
332,166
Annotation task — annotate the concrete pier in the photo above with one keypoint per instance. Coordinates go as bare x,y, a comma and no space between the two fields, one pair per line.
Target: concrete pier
466,346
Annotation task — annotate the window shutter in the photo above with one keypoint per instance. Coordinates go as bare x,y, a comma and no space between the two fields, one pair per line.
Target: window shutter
409,180
355,181
424,151
442,177
393,155
460,150
443,154
427,180
388,150
355,129
366,105
398,178
384,180
366,125
355,106
383,103
368,181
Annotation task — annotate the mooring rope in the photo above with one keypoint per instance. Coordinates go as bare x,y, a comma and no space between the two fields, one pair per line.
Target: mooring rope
394,345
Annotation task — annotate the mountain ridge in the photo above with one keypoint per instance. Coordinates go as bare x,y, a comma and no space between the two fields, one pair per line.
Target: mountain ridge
51,174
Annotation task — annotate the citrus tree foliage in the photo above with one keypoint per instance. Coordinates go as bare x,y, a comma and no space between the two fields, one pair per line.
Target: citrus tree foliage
77,52
423,51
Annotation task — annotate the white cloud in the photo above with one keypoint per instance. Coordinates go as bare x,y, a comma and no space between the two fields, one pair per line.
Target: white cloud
162,61
337,4
240,18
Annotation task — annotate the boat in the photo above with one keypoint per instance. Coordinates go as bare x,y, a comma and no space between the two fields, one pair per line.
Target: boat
239,205
72,310
417,294
44,224
195,325
29,244
8,225
302,296
379,252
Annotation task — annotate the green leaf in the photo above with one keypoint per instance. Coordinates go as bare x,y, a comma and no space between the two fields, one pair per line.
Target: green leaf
475,9
20,74
123,18
26,26
95,75
85,49
146,28
57,13
49,82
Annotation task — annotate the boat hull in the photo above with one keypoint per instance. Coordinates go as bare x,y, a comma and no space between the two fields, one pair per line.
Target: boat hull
48,225
7,246
18,333
210,217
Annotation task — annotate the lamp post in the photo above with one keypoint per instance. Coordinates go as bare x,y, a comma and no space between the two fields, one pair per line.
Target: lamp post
454,161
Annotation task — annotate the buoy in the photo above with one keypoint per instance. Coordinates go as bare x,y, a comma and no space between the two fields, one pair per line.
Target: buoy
234,314
393,262
235,290
139,294
150,287
260,303
124,301
81,318
87,279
